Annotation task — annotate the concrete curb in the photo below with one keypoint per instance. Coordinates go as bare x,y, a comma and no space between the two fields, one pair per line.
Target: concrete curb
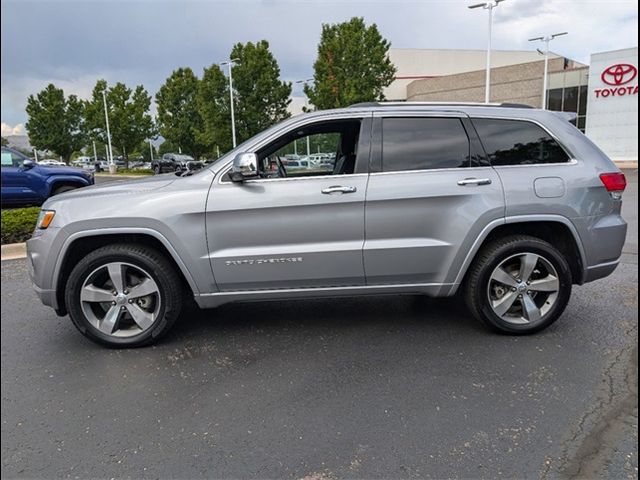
13,251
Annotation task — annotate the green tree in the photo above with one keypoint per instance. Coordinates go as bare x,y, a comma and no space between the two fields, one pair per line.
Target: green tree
5,142
213,108
55,122
178,118
352,65
129,119
261,98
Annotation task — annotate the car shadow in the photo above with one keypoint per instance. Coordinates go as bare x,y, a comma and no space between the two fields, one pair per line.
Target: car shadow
335,314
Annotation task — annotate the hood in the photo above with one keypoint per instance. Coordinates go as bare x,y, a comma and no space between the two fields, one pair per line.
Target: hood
116,187
59,170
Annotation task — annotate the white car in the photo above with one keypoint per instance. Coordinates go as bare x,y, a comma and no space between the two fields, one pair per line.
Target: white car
51,162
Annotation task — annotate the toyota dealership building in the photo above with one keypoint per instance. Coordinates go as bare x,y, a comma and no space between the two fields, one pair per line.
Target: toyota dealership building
603,94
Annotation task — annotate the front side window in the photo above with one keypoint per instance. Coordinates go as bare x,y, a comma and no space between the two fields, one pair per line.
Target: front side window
423,143
517,142
328,148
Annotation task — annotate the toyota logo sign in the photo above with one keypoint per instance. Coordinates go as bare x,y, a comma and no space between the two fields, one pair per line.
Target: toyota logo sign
619,74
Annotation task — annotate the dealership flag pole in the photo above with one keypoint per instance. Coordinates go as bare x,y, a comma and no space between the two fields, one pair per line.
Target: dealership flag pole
231,63
306,104
546,41
112,168
488,6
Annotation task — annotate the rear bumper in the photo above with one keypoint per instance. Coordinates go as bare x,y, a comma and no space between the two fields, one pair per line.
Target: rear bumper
596,272
603,239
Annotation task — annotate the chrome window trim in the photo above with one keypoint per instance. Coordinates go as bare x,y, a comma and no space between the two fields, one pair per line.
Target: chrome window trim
429,170
570,163
310,177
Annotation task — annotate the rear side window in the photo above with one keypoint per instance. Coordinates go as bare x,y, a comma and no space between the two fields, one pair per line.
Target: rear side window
517,142
423,144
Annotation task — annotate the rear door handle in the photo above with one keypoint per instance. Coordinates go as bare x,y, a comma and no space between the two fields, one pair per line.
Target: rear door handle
474,181
338,189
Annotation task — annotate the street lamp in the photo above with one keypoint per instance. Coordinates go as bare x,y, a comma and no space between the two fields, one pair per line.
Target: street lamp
546,41
112,167
230,64
306,104
488,6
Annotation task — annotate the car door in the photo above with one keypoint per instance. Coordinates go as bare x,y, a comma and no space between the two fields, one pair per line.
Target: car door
17,182
430,194
302,231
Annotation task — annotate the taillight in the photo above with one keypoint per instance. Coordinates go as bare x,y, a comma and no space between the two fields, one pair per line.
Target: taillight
615,183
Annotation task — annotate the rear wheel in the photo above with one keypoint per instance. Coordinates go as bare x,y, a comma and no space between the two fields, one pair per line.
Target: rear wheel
519,285
124,295
156,169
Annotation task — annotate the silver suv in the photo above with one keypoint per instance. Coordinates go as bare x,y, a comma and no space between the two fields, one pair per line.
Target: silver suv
509,206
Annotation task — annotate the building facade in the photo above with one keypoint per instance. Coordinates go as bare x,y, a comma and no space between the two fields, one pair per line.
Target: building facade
604,95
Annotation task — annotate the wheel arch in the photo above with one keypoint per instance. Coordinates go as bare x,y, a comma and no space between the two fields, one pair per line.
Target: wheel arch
79,244
555,229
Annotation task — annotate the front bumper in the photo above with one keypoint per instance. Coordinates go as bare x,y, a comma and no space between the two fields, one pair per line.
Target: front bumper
41,261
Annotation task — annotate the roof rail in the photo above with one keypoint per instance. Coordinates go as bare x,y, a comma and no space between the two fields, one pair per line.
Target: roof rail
439,104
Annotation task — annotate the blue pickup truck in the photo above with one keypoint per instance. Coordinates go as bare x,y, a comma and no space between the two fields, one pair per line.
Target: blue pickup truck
24,182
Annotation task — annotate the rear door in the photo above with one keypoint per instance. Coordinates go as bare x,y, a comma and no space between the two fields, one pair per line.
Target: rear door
430,194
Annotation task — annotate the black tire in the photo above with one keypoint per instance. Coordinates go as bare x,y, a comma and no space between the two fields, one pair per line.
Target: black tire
156,170
161,270
489,258
63,188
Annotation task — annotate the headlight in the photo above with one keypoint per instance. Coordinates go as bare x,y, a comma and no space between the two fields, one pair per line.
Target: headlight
45,218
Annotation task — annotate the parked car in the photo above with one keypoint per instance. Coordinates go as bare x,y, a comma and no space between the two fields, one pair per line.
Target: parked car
24,182
48,162
510,206
174,162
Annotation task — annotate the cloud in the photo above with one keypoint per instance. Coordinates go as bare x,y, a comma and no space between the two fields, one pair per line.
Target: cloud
72,43
8,130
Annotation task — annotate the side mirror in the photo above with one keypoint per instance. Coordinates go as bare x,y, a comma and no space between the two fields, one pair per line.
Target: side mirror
27,164
245,166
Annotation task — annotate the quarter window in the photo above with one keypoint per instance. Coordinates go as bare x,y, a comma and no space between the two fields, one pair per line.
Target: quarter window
423,144
518,142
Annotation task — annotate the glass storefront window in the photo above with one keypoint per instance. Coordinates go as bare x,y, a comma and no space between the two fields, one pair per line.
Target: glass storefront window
554,99
582,104
570,103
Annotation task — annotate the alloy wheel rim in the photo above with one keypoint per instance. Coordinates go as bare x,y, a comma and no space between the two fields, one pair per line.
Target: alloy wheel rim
523,288
120,299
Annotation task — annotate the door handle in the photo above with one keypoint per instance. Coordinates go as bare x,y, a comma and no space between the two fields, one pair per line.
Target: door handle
474,181
338,189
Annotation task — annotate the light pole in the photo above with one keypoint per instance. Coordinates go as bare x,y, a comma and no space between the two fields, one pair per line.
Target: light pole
112,167
488,6
151,150
231,63
546,41
95,153
306,104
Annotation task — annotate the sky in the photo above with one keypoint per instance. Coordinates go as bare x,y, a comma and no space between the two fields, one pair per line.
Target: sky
74,43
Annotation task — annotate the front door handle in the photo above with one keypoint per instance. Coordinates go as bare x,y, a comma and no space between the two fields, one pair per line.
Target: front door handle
338,189
474,181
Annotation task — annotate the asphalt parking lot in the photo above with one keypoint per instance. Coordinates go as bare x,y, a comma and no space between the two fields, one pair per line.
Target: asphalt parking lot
387,387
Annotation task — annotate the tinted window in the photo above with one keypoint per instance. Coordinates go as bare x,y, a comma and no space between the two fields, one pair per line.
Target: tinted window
423,143
516,142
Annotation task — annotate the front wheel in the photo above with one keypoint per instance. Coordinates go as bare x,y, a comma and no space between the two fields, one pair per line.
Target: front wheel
124,295
519,285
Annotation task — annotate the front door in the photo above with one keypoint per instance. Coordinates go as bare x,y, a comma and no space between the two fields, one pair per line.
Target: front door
301,223
430,192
